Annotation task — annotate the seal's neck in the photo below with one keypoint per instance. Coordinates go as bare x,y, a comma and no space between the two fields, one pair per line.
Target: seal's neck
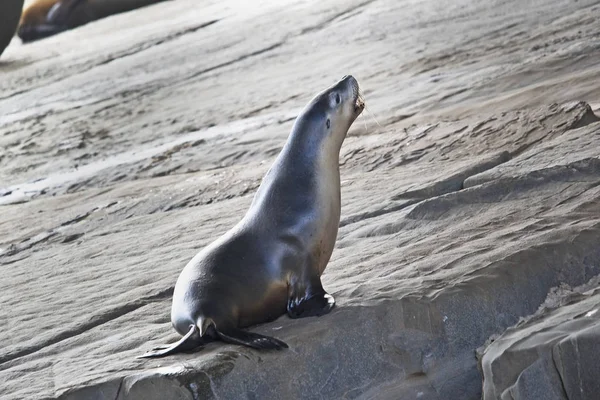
309,142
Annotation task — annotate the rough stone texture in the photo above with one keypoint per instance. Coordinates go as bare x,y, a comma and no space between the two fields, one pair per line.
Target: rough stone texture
470,188
552,354
10,12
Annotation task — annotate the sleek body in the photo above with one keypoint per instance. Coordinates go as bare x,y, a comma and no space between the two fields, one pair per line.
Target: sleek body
271,262
45,18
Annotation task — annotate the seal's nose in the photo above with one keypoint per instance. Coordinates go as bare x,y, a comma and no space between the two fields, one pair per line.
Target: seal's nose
349,80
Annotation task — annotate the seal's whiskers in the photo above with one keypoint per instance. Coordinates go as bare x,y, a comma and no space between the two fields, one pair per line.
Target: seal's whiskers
372,116
360,101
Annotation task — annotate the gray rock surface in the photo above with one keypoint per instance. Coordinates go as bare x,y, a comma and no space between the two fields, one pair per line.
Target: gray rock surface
470,188
552,354
10,12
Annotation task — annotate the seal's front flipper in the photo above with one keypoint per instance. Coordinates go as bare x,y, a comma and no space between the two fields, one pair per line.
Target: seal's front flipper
184,344
315,303
250,339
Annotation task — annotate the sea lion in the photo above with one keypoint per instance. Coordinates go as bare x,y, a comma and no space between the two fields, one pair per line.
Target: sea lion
272,260
45,18
10,12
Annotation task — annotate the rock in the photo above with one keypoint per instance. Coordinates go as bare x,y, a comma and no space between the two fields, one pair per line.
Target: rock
132,143
549,355
10,12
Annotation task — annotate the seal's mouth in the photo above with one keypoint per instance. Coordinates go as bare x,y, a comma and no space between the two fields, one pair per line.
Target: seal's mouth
359,103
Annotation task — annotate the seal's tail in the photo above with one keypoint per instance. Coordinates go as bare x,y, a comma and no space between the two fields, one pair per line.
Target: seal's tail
188,342
205,329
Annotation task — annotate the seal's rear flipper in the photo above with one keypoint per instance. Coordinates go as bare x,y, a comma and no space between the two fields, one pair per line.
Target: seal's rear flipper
29,33
57,20
184,344
250,339
314,306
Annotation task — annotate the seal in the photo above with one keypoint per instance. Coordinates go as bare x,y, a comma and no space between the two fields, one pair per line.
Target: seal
271,262
10,12
45,18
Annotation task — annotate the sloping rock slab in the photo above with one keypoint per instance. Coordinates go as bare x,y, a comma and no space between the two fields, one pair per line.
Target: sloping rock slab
145,140
419,287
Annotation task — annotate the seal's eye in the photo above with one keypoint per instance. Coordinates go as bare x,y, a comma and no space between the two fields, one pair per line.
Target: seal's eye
337,98
328,123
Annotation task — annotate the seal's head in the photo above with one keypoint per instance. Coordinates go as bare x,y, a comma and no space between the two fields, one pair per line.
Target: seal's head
341,103
344,98
332,112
